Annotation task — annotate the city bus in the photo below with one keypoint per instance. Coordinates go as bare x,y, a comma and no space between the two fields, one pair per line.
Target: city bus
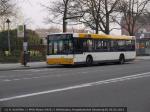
82,48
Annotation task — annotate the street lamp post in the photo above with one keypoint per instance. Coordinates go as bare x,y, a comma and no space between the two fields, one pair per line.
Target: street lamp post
8,22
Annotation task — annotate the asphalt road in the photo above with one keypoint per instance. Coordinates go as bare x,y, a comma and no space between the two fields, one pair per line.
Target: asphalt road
105,85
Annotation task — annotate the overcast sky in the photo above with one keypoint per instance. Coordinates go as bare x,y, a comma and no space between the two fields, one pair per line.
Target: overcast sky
34,13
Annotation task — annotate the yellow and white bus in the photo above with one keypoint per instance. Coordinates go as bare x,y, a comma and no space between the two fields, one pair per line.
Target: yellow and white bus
81,48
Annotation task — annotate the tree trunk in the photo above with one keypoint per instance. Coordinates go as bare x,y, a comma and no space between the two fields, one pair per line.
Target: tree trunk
65,16
131,34
97,28
107,24
96,31
64,25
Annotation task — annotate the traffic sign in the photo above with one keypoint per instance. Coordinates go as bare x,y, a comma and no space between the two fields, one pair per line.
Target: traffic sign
20,31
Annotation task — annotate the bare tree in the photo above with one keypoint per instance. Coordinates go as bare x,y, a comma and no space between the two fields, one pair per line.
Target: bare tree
133,12
7,10
63,10
4,6
92,9
98,14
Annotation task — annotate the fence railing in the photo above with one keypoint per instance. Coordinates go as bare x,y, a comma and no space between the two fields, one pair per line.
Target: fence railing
36,53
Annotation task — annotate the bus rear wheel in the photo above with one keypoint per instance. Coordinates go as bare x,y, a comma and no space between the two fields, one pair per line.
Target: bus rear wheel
89,60
121,59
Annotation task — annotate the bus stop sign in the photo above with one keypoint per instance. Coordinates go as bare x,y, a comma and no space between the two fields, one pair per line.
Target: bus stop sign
20,31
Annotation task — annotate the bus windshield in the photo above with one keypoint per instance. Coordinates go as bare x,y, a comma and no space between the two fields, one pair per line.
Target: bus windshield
60,44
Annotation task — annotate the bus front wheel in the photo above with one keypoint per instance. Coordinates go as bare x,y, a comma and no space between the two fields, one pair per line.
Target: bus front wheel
89,60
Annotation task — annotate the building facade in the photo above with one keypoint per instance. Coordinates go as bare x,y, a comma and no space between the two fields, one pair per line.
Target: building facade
142,38
143,43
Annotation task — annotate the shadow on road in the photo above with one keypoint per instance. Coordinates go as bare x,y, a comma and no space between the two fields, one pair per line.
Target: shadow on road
84,66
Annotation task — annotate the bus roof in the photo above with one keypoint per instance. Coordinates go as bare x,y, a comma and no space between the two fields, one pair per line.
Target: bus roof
98,36
103,36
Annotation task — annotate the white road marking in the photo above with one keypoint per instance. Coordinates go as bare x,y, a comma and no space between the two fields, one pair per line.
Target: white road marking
2,76
85,72
34,70
12,76
82,71
6,80
113,80
34,76
46,76
63,74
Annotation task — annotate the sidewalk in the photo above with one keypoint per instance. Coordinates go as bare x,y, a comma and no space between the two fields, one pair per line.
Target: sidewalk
143,57
36,65
16,66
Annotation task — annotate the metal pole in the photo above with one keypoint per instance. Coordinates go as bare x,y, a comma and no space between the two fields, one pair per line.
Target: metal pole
9,49
25,47
25,35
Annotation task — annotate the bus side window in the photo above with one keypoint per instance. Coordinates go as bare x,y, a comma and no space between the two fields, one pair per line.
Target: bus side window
98,45
105,45
78,45
87,45
55,46
130,45
84,46
133,45
70,45
116,47
112,45
50,47
121,45
90,45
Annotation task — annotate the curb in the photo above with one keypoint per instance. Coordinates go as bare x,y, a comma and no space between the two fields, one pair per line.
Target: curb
22,68
142,59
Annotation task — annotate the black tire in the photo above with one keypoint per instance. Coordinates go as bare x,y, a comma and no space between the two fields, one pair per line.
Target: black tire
121,59
67,66
89,61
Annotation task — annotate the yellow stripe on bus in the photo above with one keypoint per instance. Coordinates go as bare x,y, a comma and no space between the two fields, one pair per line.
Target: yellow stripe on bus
60,61
103,36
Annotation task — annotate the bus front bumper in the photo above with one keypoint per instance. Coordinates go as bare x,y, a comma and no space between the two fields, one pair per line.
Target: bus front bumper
63,61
